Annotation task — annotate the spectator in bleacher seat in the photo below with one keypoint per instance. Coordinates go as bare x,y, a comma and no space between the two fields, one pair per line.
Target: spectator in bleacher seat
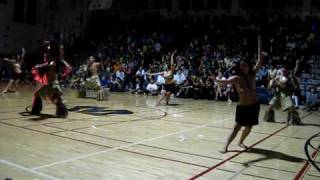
141,74
120,75
160,80
218,86
186,89
179,77
152,88
312,100
115,85
220,49
261,77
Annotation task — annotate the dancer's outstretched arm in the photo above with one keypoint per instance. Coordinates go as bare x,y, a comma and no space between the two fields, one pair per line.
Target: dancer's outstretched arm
22,56
155,74
297,67
259,62
230,80
9,60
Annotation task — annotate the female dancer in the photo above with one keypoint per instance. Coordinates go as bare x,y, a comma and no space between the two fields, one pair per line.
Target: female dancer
247,112
17,73
170,85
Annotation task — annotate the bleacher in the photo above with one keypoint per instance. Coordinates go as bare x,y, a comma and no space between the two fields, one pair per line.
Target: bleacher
263,95
311,77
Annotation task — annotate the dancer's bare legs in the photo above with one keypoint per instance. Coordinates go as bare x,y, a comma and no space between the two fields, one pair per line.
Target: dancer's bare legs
231,137
168,95
161,98
8,86
16,84
246,131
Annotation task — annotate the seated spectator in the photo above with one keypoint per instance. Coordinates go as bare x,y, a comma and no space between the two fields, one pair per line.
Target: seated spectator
138,87
179,77
261,76
186,89
120,75
313,99
160,80
152,88
209,89
114,84
141,73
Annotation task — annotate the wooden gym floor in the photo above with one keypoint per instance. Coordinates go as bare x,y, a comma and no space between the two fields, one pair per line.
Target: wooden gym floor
127,137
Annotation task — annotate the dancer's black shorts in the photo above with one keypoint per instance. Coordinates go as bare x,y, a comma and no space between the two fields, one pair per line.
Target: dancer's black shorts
170,88
16,76
248,115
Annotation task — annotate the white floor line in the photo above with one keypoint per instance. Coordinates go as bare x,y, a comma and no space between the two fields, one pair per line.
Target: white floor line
27,169
125,146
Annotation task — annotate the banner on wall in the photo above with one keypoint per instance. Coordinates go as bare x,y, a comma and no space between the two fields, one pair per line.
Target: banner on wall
100,5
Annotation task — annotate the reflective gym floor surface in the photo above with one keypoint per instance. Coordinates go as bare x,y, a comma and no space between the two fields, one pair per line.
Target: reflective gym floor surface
127,137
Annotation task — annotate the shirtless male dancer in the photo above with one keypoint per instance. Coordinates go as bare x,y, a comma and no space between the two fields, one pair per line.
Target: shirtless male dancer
248,108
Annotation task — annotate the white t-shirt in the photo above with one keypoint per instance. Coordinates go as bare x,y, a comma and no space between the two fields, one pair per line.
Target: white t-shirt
179,78
152,87
160,80
141,73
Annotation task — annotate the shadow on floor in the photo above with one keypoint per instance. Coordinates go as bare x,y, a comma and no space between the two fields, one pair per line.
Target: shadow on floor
40,117
270,154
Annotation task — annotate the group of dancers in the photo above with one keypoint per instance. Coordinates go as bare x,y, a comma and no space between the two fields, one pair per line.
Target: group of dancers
248,108
54,68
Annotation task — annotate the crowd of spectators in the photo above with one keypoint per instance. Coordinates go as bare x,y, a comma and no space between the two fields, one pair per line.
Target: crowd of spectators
205,45
129,49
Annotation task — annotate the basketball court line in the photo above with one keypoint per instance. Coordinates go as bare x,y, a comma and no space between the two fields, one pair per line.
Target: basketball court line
70,119
19,117
189,154
229,128
306,166
23,168
124,146
237,154
138,118
94,117
167,158
180,152
306,115
156,147
246,167
102,137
